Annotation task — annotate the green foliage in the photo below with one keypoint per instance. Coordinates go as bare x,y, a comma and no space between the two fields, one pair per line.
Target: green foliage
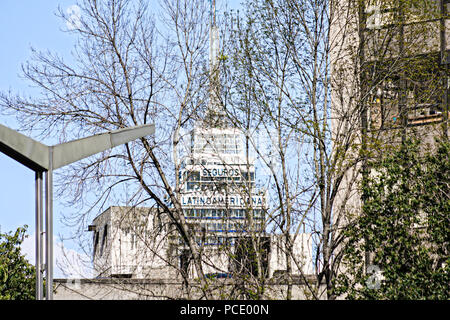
404,225
17,275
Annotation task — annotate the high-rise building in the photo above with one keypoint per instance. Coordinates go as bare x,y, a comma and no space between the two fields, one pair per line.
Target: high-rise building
219,197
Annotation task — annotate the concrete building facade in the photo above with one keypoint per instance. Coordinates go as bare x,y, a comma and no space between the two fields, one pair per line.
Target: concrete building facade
131,242
390,75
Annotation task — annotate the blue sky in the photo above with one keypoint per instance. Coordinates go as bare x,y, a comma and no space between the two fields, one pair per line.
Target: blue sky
24,23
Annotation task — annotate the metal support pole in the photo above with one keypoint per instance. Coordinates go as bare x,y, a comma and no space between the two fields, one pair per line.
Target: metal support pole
39,245
49,228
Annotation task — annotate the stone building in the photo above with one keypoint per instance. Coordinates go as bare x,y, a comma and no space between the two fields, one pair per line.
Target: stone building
390,73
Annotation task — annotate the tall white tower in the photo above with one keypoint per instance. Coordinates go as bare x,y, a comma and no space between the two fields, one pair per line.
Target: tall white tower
219,196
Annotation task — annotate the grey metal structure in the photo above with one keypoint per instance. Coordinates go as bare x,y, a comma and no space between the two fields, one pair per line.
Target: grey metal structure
44,159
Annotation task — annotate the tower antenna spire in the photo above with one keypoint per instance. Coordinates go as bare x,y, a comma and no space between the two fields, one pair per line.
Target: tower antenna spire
213,40
213,12
215,110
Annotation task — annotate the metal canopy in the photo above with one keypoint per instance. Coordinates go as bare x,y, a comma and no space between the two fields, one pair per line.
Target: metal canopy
23,149
35,155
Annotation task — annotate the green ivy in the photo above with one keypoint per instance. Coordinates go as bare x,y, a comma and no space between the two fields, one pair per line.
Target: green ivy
405,225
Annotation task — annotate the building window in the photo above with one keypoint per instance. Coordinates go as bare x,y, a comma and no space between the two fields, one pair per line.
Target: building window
385,13
104,239
415,97
193,176
133,241
95,242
